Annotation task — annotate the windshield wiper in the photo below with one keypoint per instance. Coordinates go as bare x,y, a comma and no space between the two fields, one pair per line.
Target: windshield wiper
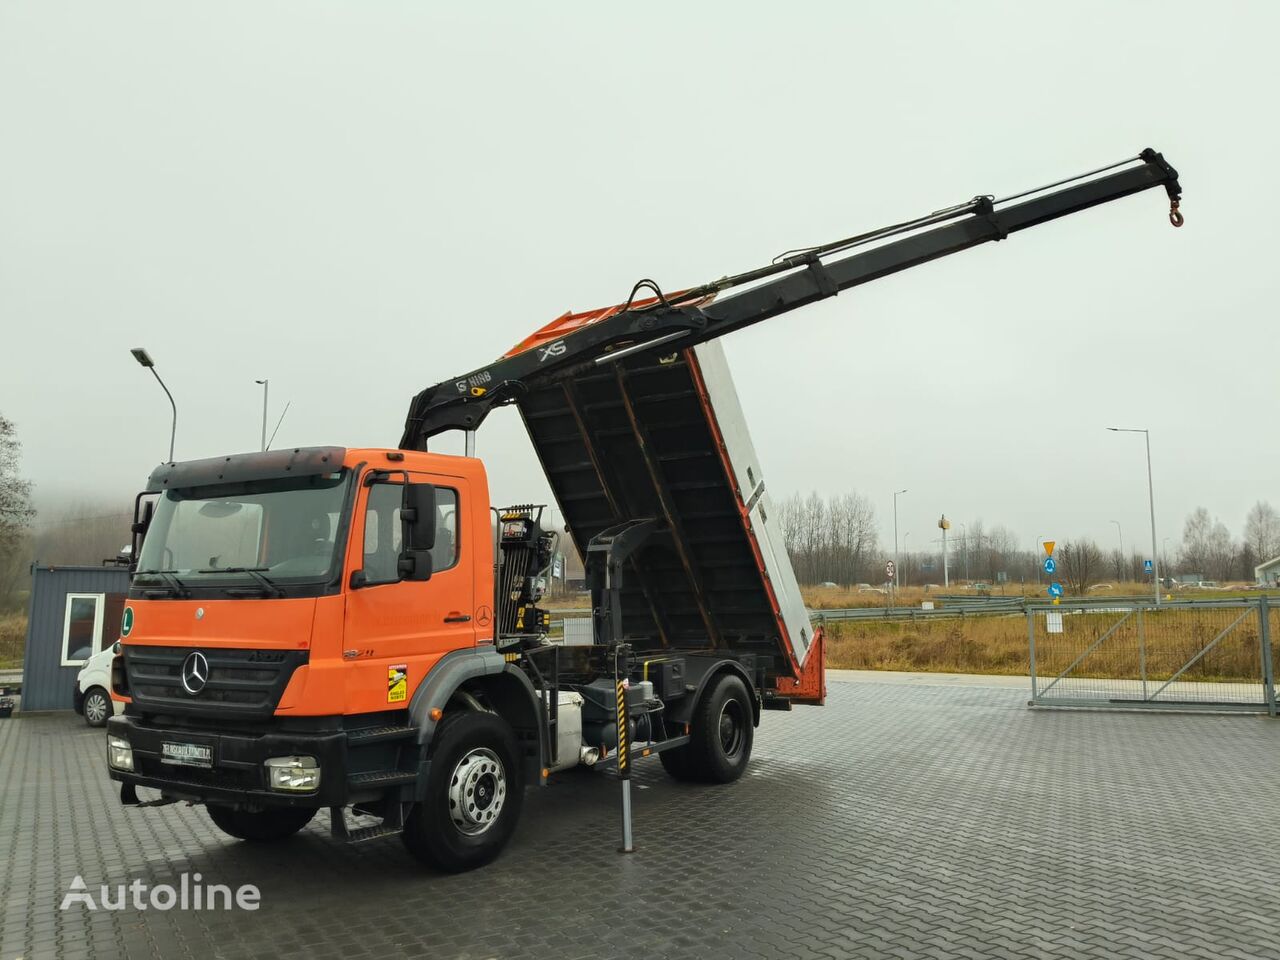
176,586
268,586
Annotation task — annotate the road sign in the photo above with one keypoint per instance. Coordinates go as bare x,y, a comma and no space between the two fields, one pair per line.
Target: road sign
889,569
1055,590
1050,565
1048,547
1146,566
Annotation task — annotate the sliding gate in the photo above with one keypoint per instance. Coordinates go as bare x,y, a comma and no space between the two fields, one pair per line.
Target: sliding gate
1179,655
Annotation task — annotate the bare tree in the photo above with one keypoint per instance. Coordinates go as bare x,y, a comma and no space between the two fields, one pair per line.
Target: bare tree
833,539
1081,563
15,513
1262,531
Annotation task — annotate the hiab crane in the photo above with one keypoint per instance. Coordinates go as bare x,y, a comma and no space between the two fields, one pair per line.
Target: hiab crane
357,629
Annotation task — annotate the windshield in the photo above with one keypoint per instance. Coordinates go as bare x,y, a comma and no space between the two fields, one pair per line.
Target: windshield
268,533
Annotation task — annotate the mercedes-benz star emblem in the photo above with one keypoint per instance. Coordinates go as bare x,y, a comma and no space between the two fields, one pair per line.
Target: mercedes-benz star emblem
195,672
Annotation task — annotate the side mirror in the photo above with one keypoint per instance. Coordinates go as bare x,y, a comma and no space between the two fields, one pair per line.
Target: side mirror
418,513
143,511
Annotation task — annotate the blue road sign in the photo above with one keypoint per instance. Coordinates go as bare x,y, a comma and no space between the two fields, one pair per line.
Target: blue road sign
1055,589
1050,565
1146,566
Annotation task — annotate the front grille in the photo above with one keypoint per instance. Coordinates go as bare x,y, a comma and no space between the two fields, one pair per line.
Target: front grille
241,683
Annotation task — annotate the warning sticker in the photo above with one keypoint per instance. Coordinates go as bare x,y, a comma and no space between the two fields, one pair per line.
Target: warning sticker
397,683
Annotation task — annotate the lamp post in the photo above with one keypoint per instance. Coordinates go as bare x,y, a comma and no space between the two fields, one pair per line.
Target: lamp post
896,568
266,386
145,360
1151,500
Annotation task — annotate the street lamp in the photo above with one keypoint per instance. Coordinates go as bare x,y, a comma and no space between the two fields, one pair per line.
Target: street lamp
145,360
1121,532
896,494
266,385
1151,499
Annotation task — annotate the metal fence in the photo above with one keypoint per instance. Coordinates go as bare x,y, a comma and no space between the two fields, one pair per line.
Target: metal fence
1196,655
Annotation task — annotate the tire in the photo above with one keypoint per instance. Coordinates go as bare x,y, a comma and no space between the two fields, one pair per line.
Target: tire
474,792
721,733
96,707
260,826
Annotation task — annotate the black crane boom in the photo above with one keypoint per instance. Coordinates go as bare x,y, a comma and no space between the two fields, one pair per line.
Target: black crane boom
793,280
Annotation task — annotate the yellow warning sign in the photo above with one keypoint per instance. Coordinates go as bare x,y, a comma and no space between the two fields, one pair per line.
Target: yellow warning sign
1048,547
397,683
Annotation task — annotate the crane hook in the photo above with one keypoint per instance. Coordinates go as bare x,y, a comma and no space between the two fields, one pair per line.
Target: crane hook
1175,216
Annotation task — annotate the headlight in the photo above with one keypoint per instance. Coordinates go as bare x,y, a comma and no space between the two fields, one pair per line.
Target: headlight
119,753
301,774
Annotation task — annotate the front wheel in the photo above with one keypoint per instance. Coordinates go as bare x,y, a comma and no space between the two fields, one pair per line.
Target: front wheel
259,826
474,792
97,707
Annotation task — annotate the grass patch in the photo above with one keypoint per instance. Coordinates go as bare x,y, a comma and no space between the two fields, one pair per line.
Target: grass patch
997,644
13,634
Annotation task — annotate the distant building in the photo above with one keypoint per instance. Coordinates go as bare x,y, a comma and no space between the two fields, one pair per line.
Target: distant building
75,612
1268,574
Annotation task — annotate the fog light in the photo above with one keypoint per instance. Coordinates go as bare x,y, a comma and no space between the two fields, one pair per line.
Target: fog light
119,753
293,773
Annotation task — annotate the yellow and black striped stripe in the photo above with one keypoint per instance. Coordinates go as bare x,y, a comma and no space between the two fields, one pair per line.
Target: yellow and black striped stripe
623,763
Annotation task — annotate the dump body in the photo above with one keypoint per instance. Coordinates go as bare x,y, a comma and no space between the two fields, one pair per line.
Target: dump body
663,435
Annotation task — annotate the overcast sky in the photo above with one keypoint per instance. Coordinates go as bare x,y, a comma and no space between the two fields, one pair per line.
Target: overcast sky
360,199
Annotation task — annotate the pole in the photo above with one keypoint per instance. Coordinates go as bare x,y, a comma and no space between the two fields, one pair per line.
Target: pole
946,576
1151,499
265,384
624,759
173,430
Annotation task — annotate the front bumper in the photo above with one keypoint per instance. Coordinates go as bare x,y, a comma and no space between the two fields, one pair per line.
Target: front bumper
237,775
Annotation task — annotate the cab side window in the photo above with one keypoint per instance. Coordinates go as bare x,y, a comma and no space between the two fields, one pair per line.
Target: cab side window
445,553
383,532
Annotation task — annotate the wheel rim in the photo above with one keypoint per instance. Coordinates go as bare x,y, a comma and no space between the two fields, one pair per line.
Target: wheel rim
95,708
477,792
731,727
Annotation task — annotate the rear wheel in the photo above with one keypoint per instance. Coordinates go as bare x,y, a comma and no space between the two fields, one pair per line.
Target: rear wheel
97,707
720,735
260,826
474,792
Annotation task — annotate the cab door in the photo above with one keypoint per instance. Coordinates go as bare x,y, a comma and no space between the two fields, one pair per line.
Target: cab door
396,629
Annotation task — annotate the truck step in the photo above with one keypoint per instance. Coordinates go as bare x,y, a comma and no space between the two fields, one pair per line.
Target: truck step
364,735
381,778
388,828
372,833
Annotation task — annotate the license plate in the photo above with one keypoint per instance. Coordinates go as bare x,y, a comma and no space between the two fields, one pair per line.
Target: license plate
187,754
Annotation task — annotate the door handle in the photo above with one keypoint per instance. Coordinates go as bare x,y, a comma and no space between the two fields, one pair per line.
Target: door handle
457,618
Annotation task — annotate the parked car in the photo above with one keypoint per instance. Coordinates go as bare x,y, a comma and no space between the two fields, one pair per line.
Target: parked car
92,701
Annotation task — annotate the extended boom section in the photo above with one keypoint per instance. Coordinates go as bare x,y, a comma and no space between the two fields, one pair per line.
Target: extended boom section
792,281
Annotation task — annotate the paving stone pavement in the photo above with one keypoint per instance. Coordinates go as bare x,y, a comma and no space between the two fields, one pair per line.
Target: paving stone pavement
899,821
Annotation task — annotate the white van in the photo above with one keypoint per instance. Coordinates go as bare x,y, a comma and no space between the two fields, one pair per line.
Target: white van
93,683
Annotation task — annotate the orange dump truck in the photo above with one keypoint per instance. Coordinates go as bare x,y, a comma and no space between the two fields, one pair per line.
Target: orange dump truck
360,630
